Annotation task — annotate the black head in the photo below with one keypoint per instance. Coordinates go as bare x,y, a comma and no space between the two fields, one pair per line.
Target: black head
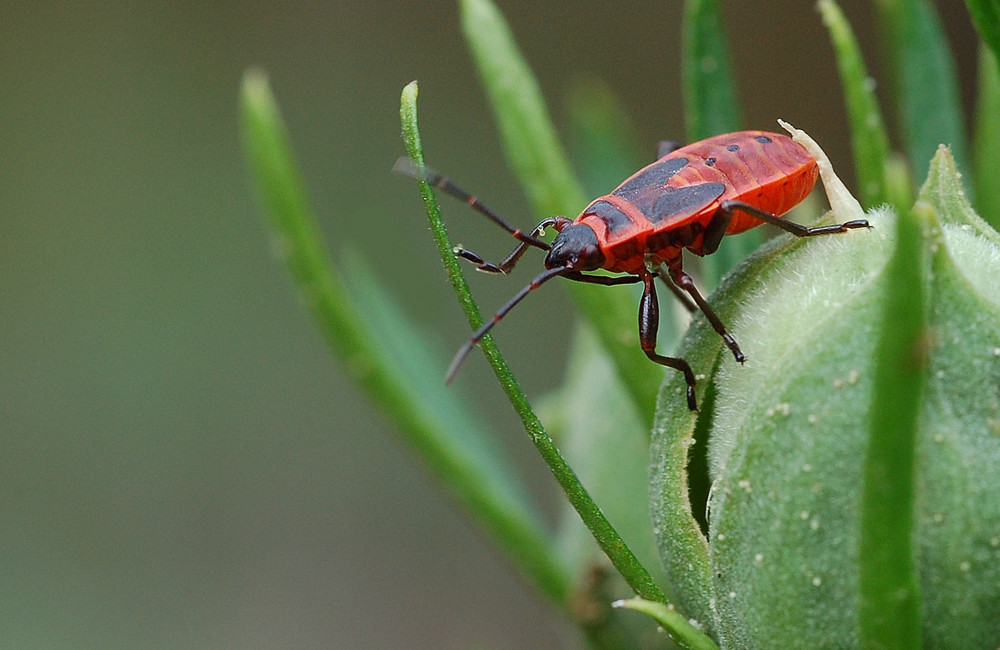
575,247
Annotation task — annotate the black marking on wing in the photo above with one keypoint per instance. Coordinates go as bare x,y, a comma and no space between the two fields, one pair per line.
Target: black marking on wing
683,201
611,215
653,177
645,189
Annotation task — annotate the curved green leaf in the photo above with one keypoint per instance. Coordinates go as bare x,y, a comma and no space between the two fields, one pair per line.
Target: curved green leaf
711,108
392,365
928,104
680,630
986,154
604,533
540,164
986,15
869,138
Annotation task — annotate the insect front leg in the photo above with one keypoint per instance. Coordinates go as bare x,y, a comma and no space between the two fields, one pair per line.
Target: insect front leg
508,262
649,325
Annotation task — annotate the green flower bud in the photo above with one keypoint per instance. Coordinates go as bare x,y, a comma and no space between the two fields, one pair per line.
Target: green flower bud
781,563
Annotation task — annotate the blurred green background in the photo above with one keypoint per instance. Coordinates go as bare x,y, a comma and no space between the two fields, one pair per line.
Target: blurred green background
182,463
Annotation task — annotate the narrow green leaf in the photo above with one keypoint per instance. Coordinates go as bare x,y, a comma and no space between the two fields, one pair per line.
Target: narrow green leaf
604,533
928,104
986,16
526,130
710,104
607,442
986,145
680,630
711,108
602,136
391,362
869,138
890,605
539,161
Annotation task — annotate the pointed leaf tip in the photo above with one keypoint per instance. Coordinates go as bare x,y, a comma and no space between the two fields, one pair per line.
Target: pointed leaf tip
682,631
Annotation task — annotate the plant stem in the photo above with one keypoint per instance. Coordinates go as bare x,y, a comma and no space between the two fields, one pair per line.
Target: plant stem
607,537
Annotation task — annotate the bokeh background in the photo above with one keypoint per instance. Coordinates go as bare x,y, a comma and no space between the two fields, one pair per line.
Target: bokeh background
182,463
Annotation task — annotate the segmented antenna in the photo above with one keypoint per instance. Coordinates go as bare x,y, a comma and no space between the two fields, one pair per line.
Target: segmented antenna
406,167
463,352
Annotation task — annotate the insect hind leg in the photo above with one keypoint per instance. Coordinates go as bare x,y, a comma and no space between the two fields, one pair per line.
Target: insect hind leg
649,324
796,229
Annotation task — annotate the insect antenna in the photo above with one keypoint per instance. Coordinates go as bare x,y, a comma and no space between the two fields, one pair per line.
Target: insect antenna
536,282
406,167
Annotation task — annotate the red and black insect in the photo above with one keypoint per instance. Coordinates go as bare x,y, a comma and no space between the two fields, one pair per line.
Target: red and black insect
688,199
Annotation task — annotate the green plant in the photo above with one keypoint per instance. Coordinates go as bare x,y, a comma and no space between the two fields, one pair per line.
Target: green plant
849,468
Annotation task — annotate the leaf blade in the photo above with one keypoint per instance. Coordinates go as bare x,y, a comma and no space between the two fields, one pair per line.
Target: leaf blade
890,604
986,145
986,16
680,630
711,108
435,422
709,87
869,137
928,104
540,163
604,533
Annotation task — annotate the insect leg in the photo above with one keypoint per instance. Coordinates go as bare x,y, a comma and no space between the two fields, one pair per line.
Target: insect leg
649,325
661,272
477,336
790,226
715,230
685,282
508,262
